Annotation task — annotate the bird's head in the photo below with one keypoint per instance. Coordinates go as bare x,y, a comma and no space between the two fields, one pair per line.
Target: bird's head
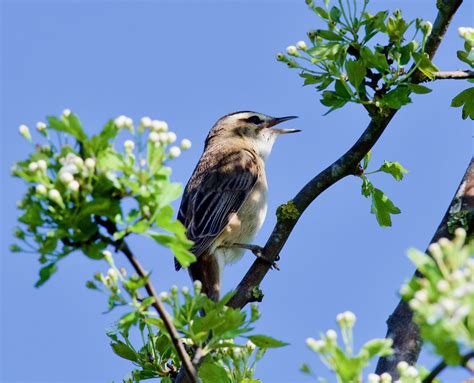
251,129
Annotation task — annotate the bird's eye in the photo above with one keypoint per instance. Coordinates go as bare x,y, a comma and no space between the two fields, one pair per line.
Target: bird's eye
254,120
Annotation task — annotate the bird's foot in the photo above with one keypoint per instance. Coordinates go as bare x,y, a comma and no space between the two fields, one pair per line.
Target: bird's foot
259,253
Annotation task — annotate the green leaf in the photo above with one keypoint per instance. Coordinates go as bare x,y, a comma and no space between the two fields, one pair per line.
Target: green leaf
379,347
419,89
100,206
396,98
466,100
45,273
356,72
383,207
69,124
425,65
367,187
321,12
212,373
264,341
328,35
394,168
335,13
100,141
168,193
124,351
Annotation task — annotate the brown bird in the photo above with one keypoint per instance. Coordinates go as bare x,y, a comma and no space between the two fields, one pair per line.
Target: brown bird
225,201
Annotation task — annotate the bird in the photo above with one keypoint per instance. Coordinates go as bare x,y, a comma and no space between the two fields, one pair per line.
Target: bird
224,203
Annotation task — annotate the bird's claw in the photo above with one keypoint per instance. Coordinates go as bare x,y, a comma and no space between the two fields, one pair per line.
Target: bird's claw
258,252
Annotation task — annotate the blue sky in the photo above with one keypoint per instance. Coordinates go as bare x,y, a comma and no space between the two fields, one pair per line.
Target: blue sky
190,62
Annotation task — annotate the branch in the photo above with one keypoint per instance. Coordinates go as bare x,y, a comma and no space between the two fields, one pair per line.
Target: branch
442,365
455,75
401,328
344,166
183,355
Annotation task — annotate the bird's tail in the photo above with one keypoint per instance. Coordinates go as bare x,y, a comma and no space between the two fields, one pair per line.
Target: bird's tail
206,269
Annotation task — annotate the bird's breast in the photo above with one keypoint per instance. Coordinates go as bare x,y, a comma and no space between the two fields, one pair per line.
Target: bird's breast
244,224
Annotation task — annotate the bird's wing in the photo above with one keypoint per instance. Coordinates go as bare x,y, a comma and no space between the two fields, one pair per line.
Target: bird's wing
213,194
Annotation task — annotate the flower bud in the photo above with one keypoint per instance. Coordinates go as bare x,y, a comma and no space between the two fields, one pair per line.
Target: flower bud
315,345
414,304
154,137
197,287
174,289
112,274
174,152
107,256
301,45
185,290
402,366
159,126
129,145
411,372
421,295
25,132
145,122
186,144
280,57
171,137
331,335
66,112
41,189
54,196
42,165
292,51
65,177
90,163
41,126
373,378
73,186
426,27
33,166
442,286
250,345
385,378
164,296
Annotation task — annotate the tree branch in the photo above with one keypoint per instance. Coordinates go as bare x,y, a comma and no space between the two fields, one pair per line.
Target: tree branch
344,166
401,328
157,304
442,365
454,75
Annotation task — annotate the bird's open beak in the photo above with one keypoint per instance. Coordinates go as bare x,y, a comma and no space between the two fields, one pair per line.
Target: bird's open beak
279,120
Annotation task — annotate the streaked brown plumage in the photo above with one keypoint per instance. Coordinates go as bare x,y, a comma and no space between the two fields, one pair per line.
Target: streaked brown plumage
224,201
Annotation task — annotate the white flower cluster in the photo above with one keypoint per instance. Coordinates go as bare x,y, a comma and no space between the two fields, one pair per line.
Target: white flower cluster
346,319
292,50
466,32
124,122
408,372
383,378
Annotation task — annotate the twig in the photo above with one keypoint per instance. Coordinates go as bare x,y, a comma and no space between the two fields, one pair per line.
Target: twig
125,249
341,168
400,325
454,75
442,365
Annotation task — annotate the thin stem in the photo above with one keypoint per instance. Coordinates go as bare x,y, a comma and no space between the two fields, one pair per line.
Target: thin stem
442,365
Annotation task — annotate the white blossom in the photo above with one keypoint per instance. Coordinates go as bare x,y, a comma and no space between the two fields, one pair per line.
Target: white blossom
154,137
164,295
41,189
421,295
42,165
291,50
55,196
315,345
41,126
385,378
250,345
159,126
33,166
347,318
442,286
402,366
65,177
73,186
185,144
25,132
373,378
185,290
301,45
66,112
426,27
171,137
145,122
411,372
112,274
331,335
129,145
174,152
464,31
90,163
